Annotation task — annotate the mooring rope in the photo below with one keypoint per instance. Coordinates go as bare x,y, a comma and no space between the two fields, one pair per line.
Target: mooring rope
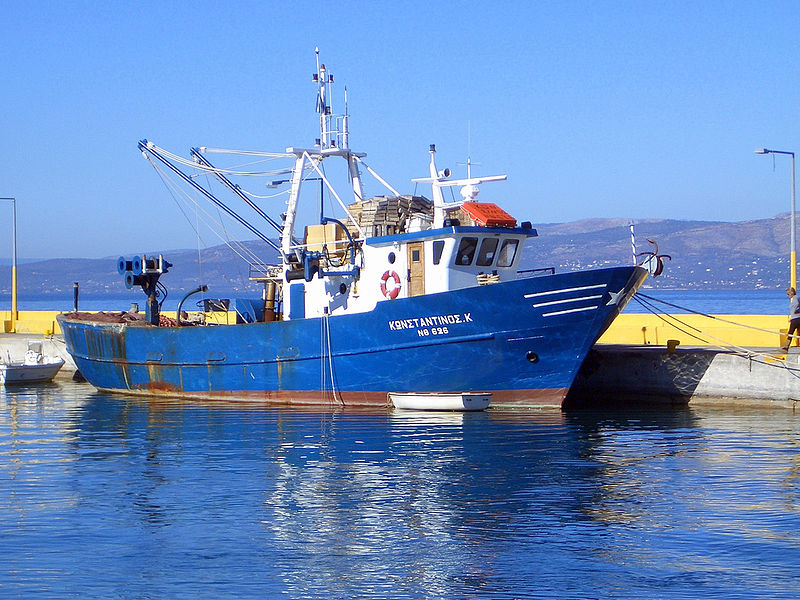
721,343
702,314
330,359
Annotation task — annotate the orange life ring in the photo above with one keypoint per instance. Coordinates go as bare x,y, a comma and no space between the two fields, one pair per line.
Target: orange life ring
392,292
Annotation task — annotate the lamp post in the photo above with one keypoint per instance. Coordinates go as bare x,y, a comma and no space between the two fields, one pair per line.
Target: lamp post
793,248
13,263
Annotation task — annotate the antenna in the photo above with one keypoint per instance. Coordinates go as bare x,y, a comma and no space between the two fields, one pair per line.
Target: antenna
323,79
469,149
345,142
469,162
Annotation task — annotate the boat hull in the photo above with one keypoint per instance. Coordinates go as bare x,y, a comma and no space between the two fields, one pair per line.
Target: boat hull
522,341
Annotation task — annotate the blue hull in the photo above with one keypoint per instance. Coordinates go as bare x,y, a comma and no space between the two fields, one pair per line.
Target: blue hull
523,341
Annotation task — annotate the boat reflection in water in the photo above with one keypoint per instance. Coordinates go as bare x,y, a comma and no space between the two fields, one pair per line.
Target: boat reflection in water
115,496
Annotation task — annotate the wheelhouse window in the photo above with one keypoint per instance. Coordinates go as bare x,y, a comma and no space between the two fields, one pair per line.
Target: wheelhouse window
487,252
438,248
507,253
466,251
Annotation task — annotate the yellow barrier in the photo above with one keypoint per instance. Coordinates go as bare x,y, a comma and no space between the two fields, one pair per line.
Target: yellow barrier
31,321
688,330
43,322
698,330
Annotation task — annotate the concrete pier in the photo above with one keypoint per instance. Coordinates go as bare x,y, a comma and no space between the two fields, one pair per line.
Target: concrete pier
765,377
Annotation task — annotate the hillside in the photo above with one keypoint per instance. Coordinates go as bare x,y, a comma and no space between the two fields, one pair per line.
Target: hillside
711,255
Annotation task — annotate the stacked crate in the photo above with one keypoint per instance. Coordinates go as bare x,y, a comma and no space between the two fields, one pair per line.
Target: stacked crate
387,215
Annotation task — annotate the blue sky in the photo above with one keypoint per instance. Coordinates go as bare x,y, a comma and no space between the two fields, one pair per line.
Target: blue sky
593,109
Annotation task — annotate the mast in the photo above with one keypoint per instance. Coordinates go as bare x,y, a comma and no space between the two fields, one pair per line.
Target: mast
334,131
439,179
291,204
334,140
438,197
324,80
352,160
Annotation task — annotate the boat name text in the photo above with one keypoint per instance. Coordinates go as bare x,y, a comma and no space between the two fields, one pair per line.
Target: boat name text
434,325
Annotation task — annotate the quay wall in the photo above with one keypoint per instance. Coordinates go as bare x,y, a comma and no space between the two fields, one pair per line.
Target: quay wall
694,376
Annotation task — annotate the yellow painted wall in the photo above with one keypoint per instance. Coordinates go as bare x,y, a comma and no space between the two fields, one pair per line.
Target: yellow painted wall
44,322
736,330
31,321
724,330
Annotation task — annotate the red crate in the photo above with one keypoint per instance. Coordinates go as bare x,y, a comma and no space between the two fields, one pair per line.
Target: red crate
488,214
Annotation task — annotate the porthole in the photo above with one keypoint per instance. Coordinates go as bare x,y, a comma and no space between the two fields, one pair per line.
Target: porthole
532,356
392,258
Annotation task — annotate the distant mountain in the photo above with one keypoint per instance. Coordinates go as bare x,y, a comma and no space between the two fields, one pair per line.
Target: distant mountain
7,262
705,254
222,269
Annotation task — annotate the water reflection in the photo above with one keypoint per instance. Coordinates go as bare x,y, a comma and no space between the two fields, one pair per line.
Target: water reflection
127,496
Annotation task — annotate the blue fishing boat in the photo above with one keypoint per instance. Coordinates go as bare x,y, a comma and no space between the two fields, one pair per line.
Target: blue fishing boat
400,295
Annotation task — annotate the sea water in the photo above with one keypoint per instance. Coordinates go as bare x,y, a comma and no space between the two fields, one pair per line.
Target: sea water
109,496
714,302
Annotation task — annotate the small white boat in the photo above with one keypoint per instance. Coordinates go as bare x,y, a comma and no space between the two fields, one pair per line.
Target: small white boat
35,367
458,401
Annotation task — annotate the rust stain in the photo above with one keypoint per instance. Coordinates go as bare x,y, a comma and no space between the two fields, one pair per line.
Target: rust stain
154,372
160,386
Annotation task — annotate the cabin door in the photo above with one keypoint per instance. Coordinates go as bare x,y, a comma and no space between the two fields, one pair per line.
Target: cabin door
416,269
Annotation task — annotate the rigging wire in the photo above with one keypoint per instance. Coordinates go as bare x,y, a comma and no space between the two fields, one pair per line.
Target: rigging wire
177,159
322,375
147,147
377,176
172,189
229,241
766,359
237,247
250,163
208,219
199,258
671,320
205,150
267,197
715,317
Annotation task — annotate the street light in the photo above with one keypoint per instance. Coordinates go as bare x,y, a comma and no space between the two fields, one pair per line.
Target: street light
13,263
793,248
